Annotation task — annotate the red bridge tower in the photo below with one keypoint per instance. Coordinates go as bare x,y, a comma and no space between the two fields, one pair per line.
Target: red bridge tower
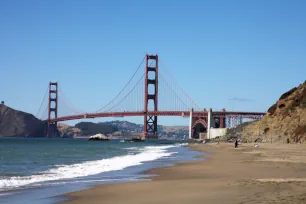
52,109
150,122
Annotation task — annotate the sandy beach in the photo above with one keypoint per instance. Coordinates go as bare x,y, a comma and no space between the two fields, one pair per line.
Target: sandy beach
271,173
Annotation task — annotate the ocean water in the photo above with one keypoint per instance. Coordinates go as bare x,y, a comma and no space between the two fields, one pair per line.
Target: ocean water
40,170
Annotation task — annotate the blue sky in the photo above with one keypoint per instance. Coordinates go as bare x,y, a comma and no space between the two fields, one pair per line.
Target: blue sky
216,50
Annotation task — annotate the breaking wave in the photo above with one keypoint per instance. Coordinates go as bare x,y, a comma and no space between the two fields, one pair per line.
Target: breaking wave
62,172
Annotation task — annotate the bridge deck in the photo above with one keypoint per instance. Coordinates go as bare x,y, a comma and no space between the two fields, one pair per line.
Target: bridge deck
156,113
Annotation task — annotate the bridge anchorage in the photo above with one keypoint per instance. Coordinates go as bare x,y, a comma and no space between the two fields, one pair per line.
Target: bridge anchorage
155,96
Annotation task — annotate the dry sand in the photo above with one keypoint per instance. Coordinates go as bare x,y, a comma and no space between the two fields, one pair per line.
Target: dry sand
269,174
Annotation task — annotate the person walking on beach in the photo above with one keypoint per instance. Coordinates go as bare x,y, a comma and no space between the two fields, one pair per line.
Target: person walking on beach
236,143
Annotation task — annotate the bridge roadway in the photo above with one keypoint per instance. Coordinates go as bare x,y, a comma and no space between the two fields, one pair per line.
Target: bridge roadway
158,113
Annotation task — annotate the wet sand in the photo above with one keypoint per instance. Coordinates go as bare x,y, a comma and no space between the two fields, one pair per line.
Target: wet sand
272,173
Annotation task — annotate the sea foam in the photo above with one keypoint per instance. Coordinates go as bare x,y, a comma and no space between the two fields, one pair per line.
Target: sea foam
62,172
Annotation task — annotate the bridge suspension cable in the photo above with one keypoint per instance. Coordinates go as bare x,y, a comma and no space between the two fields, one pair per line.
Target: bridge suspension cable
128,94
68,104
176,103
45,114
123,87
42,103
175,81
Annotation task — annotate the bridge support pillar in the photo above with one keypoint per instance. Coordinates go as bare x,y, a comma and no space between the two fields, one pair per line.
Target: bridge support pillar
222,121
210,122
150,121
52,109
190,124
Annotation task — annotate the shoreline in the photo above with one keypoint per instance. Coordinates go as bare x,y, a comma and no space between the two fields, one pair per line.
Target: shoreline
184,156
128,167
272,173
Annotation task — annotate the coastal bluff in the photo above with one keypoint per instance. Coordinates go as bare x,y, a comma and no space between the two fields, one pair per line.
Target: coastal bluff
285,121
14,123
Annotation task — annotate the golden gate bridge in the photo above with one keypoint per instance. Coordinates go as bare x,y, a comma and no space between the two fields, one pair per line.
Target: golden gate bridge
149,93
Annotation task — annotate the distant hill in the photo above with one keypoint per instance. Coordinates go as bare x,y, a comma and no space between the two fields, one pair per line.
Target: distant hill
175,128
14,123
124,126
65,130
286,119
89,128
118,128
169,131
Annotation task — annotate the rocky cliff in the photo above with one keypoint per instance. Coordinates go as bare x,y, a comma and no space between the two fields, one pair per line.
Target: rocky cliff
14,123
286,119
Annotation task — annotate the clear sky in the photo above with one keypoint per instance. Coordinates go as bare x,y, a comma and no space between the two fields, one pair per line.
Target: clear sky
217,50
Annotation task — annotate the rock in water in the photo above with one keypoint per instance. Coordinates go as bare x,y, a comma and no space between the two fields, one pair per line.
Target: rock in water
99,137
14,123
137,139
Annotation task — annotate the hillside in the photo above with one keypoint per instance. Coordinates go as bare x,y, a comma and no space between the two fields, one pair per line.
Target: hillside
175,129
67,130
286,119
14,123
169,131
117,128
89,128
124,126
